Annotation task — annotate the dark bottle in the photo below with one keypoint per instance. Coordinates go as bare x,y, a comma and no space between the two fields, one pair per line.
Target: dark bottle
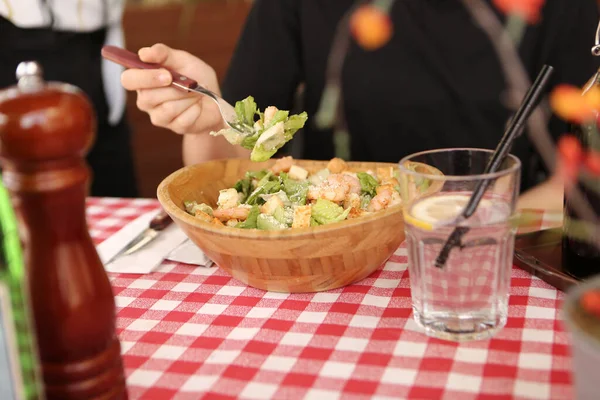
46,130
580,258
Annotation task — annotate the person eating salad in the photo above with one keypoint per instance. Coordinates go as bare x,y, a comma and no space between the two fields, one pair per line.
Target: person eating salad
436,83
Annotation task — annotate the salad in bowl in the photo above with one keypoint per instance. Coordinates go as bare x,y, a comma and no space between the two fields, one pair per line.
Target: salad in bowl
288,196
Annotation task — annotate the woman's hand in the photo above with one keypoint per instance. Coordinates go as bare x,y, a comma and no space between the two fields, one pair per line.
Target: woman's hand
168,107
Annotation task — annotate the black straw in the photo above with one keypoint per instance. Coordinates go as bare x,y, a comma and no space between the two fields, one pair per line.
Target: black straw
514,130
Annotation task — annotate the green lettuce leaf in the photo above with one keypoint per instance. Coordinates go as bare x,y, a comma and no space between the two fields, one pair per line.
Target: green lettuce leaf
422,184
365,199
246,110
319,177
269,223
248,142
232,136
266,188
368,184
282,196
263,139
295,123
327,212
284,215
250,222
192,206
259,154
295,190
280,116
244,186
257,174
266,178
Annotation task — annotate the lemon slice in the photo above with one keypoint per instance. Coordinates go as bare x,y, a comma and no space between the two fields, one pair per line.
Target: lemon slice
430,211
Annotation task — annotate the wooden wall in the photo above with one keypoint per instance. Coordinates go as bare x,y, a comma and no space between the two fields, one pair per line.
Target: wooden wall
208,29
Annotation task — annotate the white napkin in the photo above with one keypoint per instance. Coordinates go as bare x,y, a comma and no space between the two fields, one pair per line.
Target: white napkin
188,253
149,257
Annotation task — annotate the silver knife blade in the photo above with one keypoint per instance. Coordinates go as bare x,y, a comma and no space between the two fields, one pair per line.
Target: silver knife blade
161,221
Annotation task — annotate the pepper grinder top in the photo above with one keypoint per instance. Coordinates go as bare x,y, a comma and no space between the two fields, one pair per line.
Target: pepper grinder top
43,121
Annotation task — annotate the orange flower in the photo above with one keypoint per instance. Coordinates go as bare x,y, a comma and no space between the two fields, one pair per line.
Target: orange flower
527,9
568,103
570,157
592,163
371,27
590,302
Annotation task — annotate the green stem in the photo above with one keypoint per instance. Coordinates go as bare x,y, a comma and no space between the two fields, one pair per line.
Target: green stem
516,26
591,136
384,5
329,105
341,143
580,230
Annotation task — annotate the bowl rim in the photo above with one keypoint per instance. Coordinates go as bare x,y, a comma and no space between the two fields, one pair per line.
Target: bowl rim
178,214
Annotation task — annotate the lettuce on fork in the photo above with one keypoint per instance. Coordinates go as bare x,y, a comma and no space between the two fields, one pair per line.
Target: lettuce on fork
270,131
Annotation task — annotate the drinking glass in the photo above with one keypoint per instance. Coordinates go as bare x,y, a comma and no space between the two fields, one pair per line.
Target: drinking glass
467,298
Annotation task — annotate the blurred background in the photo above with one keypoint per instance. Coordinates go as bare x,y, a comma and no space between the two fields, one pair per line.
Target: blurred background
208,29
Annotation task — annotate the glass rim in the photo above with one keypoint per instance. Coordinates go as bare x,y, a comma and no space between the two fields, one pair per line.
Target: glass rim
492,175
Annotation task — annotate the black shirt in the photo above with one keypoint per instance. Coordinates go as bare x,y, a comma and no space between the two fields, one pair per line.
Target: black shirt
437,83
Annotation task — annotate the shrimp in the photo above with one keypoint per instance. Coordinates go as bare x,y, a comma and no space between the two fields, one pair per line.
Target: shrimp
353,183
336,180
269,114
381,200
386,196
282,165
225,214
335,193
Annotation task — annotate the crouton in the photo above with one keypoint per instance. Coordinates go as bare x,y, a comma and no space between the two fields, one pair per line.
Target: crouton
302,217
228,198
298,173
271,204
337,165
232,222
203,216
356,212
352,200
385,188
384,174
282,165
217,221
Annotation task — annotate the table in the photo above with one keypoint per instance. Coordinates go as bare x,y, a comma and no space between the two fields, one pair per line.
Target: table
196,333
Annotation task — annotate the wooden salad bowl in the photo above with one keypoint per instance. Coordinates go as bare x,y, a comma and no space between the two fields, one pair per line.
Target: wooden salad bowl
297,260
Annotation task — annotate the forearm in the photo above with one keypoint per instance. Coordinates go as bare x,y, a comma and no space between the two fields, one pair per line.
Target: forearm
547,195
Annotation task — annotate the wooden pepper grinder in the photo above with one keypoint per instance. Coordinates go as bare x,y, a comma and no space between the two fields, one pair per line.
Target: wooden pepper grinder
46,130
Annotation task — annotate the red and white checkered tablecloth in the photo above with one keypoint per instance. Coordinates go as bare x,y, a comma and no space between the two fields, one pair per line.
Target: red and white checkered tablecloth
196,333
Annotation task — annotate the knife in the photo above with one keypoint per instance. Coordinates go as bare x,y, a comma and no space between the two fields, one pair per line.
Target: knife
159,223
